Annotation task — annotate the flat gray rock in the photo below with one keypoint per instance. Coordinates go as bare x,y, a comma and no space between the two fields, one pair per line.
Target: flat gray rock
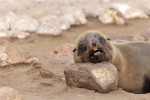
102,77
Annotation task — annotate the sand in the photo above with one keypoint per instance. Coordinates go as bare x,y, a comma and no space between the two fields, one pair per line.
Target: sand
28,81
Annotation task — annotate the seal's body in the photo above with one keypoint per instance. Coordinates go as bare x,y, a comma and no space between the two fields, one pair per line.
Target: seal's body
133,63
132,60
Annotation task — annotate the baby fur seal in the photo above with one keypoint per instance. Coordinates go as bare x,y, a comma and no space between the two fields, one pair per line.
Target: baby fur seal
132,60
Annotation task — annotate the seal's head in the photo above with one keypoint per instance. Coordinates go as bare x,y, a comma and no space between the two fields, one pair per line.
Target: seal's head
92,46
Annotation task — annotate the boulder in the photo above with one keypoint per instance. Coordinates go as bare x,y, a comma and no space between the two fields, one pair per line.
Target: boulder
11,54
101,77
7,93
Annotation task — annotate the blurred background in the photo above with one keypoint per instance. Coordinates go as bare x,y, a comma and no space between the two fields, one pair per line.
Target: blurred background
53,17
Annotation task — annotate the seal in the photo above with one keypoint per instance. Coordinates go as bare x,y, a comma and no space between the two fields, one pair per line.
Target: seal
92,47
132,60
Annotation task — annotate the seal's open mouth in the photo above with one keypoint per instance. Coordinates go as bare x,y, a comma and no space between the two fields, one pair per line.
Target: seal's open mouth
97,52
95,56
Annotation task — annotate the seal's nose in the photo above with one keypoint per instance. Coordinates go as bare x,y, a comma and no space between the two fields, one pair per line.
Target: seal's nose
93,44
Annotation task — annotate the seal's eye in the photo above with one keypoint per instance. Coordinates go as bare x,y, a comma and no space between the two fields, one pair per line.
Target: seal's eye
102,41
82,47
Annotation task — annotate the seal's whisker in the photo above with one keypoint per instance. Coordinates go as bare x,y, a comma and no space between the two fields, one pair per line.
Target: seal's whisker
108,50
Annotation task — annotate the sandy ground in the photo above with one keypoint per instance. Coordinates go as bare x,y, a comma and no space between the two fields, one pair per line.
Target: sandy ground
28,81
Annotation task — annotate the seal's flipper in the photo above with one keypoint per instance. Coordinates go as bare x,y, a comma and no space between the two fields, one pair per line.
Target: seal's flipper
146,85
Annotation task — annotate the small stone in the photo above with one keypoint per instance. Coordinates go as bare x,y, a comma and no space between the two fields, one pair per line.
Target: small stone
46,73
7,93
102,77
143,36
47,82
13,34
37,65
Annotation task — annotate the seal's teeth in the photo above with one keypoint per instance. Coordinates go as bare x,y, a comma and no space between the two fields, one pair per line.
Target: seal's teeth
97,53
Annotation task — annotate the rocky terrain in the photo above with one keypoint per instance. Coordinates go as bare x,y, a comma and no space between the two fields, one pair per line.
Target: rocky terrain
45,80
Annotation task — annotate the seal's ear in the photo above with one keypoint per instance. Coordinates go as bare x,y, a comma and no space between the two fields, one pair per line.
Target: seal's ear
74,49
108,39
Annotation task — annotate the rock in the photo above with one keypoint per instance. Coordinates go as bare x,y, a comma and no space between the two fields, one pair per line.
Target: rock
91,9
62,54
65,24
139,37
143,36
14,22
74,15
12,25
50,25
47,82
148,11
4,25
112,15
11,54
102,77
56,23
106,17
45,73
118,13
7,93
7,20
14,34
48,29
25,24
129,12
